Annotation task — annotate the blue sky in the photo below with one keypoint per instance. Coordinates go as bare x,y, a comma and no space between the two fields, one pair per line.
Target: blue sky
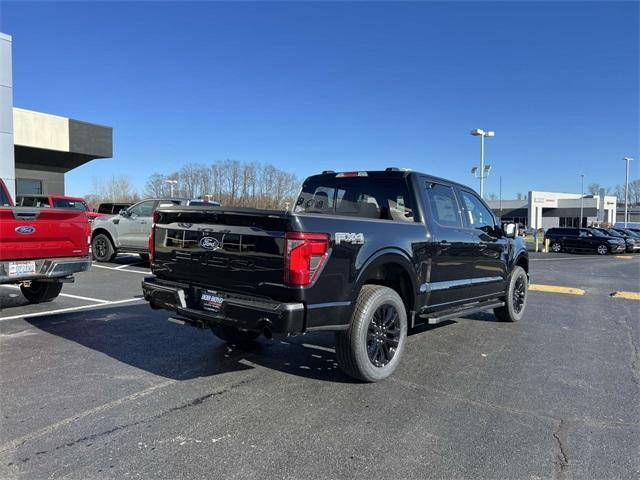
313,86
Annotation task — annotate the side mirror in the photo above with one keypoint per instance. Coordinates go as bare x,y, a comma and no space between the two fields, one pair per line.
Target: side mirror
124,212
510,230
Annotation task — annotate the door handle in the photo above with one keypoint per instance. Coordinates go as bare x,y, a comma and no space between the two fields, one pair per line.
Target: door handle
142,221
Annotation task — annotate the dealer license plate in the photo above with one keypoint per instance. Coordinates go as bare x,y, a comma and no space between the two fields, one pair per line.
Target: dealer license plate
211,300
17,269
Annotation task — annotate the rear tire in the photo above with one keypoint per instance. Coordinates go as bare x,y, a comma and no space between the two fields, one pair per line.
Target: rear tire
240,338
602,249
102,248
40,292
556,247
370,350
516,299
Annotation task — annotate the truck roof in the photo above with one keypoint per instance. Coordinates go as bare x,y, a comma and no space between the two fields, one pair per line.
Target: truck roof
389,172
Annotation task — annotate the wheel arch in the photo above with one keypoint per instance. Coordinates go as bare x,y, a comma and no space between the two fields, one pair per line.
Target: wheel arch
393,269
103,231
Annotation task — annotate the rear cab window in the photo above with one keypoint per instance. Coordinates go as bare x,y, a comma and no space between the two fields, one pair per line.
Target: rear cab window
375,195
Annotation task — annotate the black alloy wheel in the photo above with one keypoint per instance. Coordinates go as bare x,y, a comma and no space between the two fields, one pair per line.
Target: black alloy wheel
383,335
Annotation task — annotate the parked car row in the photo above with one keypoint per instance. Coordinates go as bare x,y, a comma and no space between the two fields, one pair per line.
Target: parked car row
128,231
600,240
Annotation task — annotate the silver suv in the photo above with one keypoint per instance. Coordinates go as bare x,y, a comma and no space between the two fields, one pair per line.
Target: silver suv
128,231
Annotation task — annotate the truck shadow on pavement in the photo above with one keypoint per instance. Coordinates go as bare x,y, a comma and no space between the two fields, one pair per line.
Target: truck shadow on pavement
146,340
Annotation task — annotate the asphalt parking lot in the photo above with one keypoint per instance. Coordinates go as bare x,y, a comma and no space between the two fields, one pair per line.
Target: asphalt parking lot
97,385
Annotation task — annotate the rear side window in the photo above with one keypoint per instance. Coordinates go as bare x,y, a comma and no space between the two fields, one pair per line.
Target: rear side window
443,205
72,204
384,197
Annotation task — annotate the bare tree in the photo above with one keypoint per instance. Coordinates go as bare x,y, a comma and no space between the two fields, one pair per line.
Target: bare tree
115,189
156,186
232,183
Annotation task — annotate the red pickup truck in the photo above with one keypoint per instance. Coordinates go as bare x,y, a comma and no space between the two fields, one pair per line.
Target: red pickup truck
41,248
57,201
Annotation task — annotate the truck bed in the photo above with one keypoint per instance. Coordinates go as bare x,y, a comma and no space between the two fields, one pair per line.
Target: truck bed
35,233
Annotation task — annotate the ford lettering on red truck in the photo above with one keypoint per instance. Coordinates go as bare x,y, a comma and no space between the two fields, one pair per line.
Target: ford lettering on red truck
41,248
365,254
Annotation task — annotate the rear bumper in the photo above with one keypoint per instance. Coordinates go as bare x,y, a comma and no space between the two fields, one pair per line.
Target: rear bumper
46,268
240,311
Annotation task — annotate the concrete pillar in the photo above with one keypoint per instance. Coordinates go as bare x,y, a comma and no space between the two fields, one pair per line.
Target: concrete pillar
7,163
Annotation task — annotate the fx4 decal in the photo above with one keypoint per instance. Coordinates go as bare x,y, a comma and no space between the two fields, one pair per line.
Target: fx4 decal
345,237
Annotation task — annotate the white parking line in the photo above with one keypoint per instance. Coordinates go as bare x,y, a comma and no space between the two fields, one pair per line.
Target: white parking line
88,299
71,309
128,265
121,269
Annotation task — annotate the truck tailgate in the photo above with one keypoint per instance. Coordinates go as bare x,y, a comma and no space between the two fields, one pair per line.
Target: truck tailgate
233,249
33,233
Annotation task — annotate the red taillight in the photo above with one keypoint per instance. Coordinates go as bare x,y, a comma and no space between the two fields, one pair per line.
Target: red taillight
304,254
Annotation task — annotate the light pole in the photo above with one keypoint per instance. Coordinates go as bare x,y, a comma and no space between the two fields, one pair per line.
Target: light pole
626,190
581,197
171,184
500,197
484,172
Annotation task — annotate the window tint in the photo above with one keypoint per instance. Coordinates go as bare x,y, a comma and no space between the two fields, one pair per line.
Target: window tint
40,202
383,197
477,214
443,205
65,203
143,209
4,198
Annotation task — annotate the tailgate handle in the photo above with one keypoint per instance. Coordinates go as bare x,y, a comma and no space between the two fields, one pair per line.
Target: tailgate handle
26,215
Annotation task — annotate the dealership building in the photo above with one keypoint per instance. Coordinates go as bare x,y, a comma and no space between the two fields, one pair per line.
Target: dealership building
553,209
37,149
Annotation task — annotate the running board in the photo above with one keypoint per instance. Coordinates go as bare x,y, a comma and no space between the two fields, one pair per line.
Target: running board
457,312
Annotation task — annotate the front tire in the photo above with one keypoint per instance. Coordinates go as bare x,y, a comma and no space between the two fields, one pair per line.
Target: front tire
556,247
516,299
370,350
602,249
102,248
40,292
144,257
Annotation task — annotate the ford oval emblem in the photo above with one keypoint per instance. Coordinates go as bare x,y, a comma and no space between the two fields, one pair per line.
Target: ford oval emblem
209,243
25,230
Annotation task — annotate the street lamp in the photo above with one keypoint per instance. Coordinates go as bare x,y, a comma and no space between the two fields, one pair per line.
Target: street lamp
171,184
581,197
626,190
484,171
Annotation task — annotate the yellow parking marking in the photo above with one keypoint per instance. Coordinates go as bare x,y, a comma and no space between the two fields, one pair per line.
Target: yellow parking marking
627,295
624,257
555,289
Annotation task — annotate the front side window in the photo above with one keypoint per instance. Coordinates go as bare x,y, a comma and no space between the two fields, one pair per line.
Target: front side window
478,216
443,206
142,209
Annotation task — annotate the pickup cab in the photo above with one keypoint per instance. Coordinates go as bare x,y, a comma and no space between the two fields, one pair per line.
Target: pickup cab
41,248
57,201
367,255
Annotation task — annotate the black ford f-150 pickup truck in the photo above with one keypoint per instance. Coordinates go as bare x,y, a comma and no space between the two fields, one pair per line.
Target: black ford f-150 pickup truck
364,254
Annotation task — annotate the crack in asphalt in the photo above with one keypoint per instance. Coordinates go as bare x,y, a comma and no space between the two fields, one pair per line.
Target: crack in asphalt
192,403
634,362
561,457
